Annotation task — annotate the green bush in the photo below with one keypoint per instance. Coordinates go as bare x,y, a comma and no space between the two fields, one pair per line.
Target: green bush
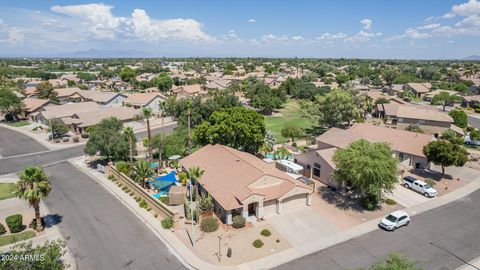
390,201
124,188
257,243
2,229
123,167
205,203
265,233
430,182
167,223
85,135
76,139
370,202
209,224
14,223
143,204
238,221
57,140
111,177
164,200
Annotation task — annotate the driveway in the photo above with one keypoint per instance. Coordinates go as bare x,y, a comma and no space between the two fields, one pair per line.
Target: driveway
14,143
302,225
408,197
103,233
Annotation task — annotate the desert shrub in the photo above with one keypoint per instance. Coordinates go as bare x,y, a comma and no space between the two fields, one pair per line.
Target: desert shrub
370,202
14,223
238,221
57,140
430,182
131,193
390,201
164,200
209,224
123,167
76,139
124,188
143,204
2,229
205,204
66,139
265,233
85,135
111,177
167,223
257,243
33,224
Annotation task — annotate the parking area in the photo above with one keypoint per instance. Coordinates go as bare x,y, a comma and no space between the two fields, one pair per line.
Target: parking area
407,197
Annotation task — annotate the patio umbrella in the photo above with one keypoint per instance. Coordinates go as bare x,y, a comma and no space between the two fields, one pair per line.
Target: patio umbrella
161,185
174,157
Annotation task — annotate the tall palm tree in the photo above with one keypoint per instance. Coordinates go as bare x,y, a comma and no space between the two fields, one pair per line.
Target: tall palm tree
158,141
147,113
128,131
33,187
189,116
195,173
141,171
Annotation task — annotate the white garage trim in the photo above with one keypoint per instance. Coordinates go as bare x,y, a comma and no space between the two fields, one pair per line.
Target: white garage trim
295,201
270,207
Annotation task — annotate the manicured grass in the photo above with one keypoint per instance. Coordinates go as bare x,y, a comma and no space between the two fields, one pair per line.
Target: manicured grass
290,113
13,238
6,190
19,124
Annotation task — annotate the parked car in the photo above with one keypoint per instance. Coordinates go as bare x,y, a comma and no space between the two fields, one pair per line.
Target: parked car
419,186
469,141
395,220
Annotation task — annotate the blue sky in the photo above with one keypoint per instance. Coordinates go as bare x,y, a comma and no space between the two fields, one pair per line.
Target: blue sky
426,29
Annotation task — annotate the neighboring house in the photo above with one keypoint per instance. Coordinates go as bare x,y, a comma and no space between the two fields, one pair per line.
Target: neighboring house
79,121
406,145
419,89
218,84
67,95
104,99
64,111
394,89
242,184
34,105
144,100
429,96
186,91
471,101
430,120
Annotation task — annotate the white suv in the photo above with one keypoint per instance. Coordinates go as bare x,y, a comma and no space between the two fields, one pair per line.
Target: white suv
395,220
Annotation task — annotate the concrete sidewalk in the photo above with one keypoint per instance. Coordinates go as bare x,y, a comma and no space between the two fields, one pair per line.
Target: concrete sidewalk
190,260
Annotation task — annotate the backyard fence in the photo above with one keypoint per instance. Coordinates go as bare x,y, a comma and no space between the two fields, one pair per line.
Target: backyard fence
159,208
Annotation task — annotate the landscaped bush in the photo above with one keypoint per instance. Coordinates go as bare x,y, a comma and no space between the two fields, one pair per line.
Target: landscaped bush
206,204
85,135
209,224
164,200
65,139
143,204
57,140
430,182
390,201
124,188
370,202
76,139
257,243
2,229
123,167
33,224
111,177
265,233
238,221
14,223
167,223
187,211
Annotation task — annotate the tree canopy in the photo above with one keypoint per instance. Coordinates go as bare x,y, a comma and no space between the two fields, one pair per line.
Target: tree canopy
127,74
460,118
445,154
292,131
45,90
333,109
444,99
108,139
51,252
10,104
236,127
265,98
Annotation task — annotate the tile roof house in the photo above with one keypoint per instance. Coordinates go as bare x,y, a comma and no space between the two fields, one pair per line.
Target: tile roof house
241,183
190,90
406,145
79,121
401,116
142,100
33,105
419,89
64,111
103,98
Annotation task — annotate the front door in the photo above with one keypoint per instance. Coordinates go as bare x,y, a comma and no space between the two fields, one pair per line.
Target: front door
251,209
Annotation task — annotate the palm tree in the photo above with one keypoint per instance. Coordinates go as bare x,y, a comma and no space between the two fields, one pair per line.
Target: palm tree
195,173
142,171
158,141
128,131
189,115
33,187
147,113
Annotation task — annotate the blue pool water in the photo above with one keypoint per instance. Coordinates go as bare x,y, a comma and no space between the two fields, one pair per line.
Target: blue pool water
272,156
161,194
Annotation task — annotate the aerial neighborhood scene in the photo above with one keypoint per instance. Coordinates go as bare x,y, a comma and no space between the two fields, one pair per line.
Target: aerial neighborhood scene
241,135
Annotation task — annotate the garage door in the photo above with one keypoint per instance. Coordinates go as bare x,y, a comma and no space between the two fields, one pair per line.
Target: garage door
269,207
294,202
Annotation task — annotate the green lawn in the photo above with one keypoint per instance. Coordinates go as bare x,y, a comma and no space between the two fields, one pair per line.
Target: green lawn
6,190
12,238
290,113
19,124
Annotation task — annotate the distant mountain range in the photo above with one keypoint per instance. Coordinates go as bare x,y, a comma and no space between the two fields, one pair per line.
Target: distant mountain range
472,58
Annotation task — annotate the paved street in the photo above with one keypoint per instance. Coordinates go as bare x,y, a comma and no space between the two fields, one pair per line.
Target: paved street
14,143
103,233
474,121
15,164
454,227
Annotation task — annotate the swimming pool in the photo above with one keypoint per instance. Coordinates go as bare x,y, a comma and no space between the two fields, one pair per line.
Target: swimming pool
160,194
272,156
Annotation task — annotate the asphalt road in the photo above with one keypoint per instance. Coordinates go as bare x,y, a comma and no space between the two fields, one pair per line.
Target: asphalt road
103,233
434,239
17,163
474,121
13,143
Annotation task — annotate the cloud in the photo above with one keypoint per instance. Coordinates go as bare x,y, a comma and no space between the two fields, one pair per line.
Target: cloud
298,38
252,20
11,35
328,36
429,26
271,38
99,21
367,24
472,7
